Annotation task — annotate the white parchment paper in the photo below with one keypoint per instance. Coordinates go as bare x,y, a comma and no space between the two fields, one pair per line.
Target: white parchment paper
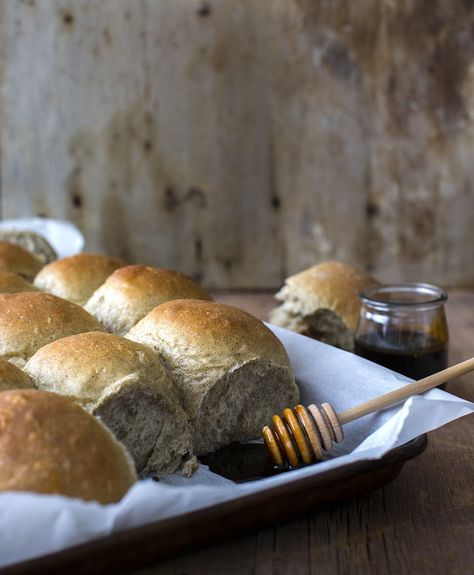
32,525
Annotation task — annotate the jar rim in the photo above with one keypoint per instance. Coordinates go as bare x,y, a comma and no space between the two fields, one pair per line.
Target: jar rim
423,294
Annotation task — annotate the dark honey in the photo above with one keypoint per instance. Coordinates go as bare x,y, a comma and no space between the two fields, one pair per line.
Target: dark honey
241,462
415,355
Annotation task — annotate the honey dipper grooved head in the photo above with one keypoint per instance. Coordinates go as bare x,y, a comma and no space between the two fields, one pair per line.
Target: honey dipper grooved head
301,436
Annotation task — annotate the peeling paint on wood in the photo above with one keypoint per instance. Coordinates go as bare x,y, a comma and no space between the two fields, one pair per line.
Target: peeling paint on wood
243,141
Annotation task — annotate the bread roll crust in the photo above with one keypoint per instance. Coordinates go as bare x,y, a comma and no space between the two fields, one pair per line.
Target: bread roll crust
322,302
75,278
83,366
12,377
13,283
332,285
208,336
15,259
32,242
63,449
125,384
131,292
32,319
231,372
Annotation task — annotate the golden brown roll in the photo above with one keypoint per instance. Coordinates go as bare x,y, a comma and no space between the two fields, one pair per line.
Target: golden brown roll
132,291
13,283
32,242
12,377
32,319
322,302
125,384
231,372
48,444
76,278
15,259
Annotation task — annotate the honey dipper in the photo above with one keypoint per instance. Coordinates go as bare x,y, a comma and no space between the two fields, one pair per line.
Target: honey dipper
301,435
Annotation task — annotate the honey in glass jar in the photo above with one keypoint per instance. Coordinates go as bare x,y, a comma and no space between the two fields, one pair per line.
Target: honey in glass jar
403,327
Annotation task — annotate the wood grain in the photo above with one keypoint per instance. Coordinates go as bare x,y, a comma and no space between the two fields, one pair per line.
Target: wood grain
242,141
421,523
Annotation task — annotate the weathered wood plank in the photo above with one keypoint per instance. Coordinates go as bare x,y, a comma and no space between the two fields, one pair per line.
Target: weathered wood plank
134,121
422,179
243,141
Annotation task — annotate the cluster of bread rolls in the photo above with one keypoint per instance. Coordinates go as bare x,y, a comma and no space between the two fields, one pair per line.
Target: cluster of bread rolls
170,372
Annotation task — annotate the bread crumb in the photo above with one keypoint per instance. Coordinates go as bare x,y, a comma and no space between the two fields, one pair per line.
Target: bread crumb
190,466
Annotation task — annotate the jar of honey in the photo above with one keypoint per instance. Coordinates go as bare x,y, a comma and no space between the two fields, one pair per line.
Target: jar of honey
403,327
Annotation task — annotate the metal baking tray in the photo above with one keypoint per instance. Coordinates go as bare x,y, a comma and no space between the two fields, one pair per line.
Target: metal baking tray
156,541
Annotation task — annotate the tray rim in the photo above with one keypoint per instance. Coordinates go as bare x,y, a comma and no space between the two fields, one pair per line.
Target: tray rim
69,557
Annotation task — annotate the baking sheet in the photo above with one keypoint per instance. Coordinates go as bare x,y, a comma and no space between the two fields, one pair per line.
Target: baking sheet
33,525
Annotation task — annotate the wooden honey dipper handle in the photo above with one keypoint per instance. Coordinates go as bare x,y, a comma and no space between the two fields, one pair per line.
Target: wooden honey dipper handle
301,435
406,391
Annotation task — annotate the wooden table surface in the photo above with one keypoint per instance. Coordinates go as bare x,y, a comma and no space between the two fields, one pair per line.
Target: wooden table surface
423,522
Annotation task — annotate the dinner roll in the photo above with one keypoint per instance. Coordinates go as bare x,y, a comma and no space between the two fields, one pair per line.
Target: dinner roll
13,283
15,259
48,444
32,242
12,377
76,278
231,372
132,291
322,302
32,319
125,384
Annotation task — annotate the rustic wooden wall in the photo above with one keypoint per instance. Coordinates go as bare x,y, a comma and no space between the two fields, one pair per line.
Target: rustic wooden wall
243,140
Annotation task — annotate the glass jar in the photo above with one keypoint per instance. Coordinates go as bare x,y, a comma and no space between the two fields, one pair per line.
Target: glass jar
404,328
